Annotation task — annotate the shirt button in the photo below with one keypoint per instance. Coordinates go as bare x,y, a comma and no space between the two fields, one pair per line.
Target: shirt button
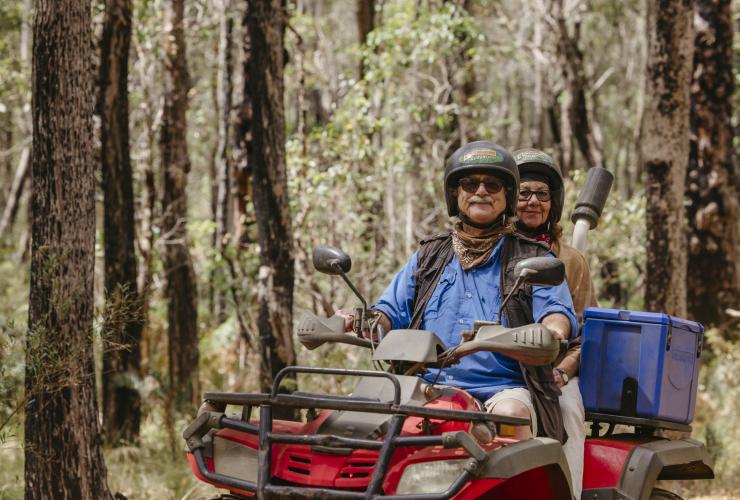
469,295
462,321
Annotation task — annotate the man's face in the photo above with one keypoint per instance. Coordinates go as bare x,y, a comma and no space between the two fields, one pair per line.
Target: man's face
481,197
533,212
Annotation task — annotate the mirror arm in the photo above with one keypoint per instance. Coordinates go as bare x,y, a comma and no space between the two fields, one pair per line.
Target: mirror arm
517,283
357,292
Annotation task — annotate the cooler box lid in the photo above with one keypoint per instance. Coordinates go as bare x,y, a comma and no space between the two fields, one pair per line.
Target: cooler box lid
641,317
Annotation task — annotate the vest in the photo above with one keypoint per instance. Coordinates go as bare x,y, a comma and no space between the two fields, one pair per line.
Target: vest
434,255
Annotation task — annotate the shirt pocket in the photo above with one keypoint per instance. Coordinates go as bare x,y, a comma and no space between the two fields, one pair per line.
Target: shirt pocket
441,297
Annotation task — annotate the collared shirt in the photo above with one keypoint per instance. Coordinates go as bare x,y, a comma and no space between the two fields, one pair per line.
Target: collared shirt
460,298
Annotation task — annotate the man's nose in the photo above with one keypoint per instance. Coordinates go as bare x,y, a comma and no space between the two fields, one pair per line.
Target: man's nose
481,191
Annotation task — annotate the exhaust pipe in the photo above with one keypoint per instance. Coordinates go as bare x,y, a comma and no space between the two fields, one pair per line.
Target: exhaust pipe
590,204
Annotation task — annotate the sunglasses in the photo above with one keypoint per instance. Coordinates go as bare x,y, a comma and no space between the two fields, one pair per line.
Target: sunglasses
526,195
471,184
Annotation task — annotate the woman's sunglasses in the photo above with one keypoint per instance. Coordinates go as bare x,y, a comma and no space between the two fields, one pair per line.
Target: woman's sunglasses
471,184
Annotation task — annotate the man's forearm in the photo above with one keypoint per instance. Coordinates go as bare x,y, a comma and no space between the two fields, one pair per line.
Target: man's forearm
558,324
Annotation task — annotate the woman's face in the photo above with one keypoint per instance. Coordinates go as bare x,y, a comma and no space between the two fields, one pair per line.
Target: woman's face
532,212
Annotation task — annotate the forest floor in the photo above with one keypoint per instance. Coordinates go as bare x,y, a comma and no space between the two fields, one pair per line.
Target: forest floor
144,472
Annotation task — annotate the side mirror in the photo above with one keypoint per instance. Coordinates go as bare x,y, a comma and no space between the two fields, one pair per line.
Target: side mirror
543,271
330,260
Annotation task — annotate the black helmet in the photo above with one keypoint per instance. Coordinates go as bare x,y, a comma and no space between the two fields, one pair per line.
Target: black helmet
532,160
481,157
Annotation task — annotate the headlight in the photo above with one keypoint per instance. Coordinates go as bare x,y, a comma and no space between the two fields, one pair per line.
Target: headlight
430,477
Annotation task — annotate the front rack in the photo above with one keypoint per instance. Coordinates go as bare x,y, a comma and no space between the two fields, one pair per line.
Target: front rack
392,439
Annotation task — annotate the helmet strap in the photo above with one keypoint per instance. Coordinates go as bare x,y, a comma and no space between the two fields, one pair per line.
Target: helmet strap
499,221
526,231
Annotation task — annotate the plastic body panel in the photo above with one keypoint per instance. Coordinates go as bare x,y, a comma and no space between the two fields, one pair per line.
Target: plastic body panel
640,364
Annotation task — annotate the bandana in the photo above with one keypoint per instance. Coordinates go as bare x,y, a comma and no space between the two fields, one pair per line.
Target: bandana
474,250
538,234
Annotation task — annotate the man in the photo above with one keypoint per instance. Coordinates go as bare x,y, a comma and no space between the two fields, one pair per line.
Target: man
462,276
538,209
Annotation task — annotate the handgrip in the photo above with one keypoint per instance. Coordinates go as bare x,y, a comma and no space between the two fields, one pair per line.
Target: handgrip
592,197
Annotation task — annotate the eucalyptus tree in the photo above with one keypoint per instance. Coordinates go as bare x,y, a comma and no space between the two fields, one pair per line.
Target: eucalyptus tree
712,184
665,151
266,24
63,452
181,289
122,327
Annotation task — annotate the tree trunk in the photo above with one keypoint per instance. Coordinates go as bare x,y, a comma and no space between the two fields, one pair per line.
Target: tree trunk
571,59
242,189
712,281
224,207
266,23
365,24
122,328
178,267
665,151
63,451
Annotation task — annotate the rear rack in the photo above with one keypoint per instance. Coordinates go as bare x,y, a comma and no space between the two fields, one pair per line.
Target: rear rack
643,426
392,439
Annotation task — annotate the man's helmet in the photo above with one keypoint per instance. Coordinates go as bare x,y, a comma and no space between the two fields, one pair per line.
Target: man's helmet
481,157
532,160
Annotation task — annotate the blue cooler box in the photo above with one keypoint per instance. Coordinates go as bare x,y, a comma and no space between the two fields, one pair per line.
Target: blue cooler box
640,364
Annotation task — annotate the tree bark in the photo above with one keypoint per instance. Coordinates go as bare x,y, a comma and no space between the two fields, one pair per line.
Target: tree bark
266,24
242,189
665,151
712,282
224,207
122,327
365,24
63,451
178,267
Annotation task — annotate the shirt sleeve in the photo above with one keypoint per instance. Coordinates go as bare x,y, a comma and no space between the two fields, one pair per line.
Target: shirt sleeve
397,301
554,299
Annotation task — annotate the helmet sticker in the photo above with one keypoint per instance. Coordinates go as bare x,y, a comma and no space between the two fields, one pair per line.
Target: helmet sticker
532,156
482,156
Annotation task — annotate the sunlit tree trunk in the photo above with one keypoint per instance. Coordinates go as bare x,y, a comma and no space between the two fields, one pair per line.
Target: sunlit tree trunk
63,450
178,267
665,151
122,327
266,24
711,184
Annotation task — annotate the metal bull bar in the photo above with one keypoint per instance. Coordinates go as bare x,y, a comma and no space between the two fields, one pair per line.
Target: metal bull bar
391,440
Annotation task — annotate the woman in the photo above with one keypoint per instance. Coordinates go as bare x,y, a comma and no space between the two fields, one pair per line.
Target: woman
538,209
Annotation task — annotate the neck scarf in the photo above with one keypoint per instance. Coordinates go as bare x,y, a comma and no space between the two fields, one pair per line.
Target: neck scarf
538,234
473,250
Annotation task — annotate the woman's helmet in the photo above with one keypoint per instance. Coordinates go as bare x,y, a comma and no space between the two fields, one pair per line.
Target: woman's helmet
530,160
481,157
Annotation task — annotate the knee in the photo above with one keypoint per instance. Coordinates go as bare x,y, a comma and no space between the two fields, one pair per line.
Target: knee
510,408
514,408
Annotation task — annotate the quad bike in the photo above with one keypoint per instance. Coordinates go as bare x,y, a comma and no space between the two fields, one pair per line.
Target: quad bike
399,437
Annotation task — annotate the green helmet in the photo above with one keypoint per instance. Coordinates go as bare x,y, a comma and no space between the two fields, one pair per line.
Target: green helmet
481,157
530,160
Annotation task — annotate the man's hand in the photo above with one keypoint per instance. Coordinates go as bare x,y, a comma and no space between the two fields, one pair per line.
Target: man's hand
349,318
558,324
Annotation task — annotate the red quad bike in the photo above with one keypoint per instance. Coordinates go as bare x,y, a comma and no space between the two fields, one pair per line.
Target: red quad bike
398,437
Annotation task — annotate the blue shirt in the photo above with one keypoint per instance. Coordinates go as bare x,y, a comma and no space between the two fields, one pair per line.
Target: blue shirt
460,298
